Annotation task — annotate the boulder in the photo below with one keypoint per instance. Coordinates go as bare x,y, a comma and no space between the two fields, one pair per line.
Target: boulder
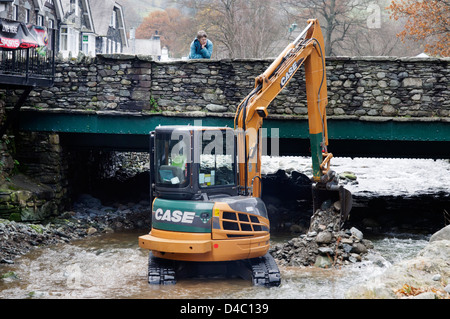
324,237
443,234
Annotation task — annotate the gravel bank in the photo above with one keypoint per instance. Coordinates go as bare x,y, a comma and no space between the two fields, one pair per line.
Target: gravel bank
88,218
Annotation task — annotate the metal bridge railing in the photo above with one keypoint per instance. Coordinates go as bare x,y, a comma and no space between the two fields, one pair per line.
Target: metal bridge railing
30,66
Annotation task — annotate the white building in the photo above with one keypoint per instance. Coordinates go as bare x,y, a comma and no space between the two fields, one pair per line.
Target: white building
150,47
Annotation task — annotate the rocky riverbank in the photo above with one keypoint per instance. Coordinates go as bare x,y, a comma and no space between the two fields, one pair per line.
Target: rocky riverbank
426,276
325,244
88,218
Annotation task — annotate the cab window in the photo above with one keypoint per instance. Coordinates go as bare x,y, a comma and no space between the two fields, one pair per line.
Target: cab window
217,165
171,159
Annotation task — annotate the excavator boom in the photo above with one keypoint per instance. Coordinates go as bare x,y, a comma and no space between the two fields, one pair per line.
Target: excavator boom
307,50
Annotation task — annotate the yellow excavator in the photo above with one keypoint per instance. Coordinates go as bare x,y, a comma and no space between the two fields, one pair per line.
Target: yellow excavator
207,215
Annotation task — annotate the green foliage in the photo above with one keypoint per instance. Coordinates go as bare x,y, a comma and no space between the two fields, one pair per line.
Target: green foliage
154,107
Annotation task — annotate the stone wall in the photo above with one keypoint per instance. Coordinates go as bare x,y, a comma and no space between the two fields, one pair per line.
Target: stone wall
363,86
356,86
38,188
116,83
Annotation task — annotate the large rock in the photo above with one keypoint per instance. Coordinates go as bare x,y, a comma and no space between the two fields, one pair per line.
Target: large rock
443,234
216,108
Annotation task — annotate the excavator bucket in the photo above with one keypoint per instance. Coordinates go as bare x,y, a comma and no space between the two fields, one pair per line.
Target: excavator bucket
336,196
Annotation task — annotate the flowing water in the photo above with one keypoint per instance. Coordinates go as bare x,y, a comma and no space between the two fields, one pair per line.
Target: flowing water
113,266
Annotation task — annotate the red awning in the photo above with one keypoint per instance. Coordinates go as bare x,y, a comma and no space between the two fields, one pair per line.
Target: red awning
16,35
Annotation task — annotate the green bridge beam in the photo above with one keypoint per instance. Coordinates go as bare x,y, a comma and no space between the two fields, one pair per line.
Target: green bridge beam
371,129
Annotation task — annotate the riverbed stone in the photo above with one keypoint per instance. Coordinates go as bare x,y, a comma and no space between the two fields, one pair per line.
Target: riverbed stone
91,230
326,251
18,238
324,237
447,289
323,261
358,248
357,233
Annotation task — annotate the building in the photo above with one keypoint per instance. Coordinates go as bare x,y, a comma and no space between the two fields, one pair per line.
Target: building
44,13
92,27
87,26
28,42
76,28
109,25
150,46
38,12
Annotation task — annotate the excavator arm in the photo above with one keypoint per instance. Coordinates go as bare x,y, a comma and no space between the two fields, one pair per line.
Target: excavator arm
308,50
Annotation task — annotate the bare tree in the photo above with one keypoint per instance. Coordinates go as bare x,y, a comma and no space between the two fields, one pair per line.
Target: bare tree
239,28
338,18
381,41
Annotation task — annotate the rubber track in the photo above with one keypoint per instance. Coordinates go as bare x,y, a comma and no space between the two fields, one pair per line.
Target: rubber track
265,271
160,271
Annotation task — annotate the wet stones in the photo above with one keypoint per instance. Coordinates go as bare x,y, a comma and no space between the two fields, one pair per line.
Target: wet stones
89,218
325,245
324,237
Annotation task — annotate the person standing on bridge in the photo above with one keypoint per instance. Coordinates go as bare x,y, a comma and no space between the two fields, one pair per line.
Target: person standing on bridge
201,47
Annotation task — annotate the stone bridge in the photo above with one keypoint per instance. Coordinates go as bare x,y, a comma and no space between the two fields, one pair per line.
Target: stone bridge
377,107
120,98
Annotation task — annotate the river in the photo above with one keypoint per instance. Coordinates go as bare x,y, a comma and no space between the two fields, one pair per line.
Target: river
113,266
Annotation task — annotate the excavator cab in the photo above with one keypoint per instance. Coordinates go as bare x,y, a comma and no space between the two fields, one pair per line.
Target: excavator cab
193,162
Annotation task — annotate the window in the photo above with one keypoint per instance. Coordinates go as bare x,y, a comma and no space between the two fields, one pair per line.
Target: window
216,160
112,22
74,7
70,40
27,15
40,20
172,159
85,46
51,24
64,39
104,45
119,48
75,42
15,13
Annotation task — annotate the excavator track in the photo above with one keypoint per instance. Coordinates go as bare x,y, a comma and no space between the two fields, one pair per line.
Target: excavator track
265,271
160,271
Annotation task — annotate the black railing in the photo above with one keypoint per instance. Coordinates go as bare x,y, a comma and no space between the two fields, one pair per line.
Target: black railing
29,67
